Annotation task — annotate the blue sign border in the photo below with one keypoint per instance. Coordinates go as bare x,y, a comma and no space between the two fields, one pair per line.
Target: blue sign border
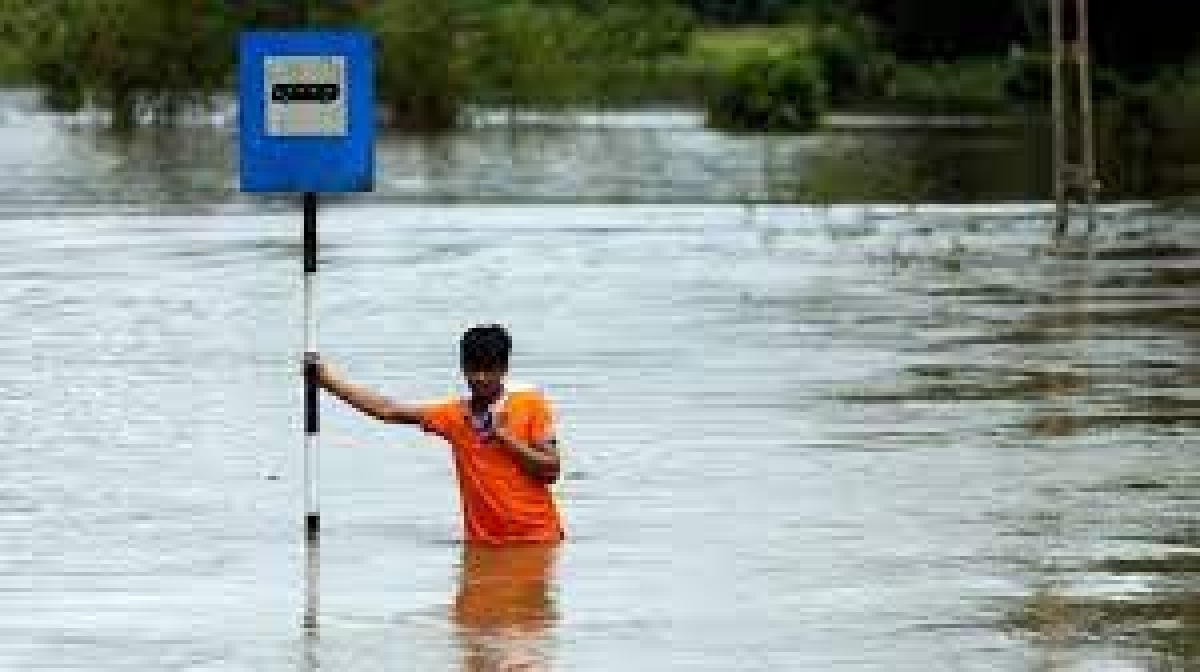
319,164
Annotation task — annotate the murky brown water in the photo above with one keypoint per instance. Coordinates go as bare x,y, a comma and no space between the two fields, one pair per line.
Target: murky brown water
849,438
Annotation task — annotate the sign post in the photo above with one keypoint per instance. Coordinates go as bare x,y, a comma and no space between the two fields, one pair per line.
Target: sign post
306,125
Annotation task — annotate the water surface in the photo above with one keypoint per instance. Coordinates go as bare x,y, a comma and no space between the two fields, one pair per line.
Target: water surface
891,437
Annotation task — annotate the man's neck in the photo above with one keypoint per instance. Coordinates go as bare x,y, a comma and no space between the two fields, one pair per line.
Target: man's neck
483,403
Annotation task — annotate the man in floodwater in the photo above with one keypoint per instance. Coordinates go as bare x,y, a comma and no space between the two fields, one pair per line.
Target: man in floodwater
502,436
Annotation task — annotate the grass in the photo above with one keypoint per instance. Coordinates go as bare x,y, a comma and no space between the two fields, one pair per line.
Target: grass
961,87
13,69
722,45
967,87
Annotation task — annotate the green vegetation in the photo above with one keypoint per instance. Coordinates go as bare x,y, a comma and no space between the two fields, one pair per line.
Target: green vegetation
724,45
529,55
137,59
772,91
11,67
752,64
422,76
969,87
13,64
854,67
524,55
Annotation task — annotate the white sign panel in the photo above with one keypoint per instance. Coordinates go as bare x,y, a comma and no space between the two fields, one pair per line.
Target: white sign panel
306,95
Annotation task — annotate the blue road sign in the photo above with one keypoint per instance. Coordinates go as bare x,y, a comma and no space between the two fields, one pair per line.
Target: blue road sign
306,112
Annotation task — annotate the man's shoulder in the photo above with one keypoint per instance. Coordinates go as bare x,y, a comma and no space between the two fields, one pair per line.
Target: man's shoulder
441,415
525,392
441,405
522,388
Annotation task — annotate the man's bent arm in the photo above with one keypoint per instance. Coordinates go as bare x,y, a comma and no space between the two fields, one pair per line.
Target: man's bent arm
365,401
540,460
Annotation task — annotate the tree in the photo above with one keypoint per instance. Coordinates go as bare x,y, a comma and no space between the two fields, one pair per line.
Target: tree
942,30
1134,40
742,11
422,63
132,57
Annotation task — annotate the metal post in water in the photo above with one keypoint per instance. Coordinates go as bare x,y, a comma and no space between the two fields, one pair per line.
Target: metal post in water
312,419
1058,113
1083,59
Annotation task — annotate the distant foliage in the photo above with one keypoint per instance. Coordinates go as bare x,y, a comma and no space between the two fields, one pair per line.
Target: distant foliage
852,64
743,11
770,92
1028,80
526,54
145,60
522,55
422,68
136,58
968,87
942,30
1138,39
1133,39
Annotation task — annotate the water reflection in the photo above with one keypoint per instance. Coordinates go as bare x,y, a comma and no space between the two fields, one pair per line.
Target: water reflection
504,611
631,157
311,661
971,165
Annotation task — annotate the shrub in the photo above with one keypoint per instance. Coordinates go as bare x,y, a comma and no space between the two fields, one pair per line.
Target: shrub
769,92
134,58
525,55
421,71
853,65
630,32
550,56
968,87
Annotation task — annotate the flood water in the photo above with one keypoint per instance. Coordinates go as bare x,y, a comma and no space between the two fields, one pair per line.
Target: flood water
853,437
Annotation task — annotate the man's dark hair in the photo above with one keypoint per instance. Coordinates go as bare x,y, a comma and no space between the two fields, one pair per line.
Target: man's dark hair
485,348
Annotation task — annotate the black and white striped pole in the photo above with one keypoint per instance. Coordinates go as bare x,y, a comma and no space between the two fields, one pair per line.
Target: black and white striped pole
306,124
312,420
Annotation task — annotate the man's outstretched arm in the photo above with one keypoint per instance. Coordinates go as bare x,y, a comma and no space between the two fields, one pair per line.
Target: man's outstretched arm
365,401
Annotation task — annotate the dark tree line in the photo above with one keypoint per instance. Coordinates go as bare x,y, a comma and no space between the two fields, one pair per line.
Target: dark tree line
143,58
1133,38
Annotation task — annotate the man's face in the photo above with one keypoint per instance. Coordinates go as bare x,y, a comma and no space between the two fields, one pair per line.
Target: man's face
485,385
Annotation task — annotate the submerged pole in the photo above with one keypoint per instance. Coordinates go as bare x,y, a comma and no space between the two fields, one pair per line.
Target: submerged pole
312,419
1058,110
1083,59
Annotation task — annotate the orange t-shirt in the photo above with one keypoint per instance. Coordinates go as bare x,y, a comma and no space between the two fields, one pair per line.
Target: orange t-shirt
501,503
